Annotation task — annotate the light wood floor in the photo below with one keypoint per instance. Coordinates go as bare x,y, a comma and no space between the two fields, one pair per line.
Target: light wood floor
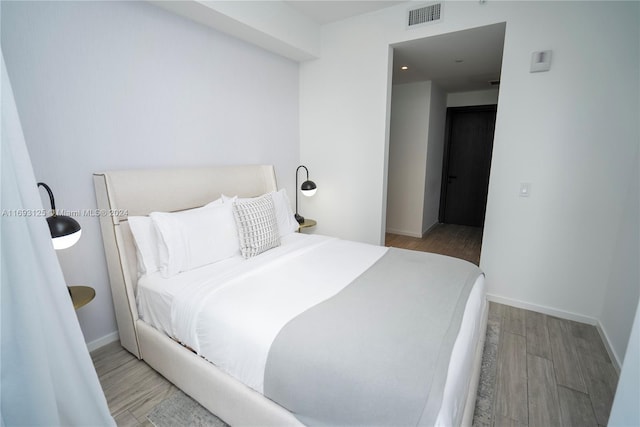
548,371
540,370
131,387
459,241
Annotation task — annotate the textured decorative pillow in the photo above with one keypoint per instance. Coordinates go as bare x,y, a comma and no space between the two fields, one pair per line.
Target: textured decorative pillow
287,223
257,225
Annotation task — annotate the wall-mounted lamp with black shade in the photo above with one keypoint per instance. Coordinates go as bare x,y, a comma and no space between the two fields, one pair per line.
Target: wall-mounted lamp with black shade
65,231
308,188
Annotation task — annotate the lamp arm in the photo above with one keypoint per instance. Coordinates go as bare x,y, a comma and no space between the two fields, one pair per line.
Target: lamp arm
305,168
297,189
51,200
298,217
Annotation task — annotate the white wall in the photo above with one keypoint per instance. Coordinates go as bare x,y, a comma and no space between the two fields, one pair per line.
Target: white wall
344,129
572,132
476,97
623,279
113,85
625,411
407,157
435,151
575,140
416,146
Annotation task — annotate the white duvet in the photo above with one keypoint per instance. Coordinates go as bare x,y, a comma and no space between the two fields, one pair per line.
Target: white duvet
231,311
231,314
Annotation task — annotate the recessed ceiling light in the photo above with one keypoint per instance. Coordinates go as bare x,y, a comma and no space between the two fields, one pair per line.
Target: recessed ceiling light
404,67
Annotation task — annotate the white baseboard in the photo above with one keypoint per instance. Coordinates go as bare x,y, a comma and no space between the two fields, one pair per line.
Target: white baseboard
425,232
100,342
544,309
615,361
410,233
403,233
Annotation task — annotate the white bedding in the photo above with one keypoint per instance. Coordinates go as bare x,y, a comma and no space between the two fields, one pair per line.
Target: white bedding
249,301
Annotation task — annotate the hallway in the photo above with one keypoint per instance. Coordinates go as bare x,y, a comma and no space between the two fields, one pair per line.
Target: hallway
459,241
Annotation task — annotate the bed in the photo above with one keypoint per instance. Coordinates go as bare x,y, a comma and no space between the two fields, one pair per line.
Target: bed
313,331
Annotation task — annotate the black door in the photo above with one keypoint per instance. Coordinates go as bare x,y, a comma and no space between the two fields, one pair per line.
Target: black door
467,162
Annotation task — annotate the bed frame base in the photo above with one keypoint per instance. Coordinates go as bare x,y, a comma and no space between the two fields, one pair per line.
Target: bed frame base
221,394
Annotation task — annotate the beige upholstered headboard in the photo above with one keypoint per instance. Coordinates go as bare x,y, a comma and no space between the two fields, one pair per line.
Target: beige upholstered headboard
140,192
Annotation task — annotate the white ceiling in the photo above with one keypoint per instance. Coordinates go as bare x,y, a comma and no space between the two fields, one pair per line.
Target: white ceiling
438,59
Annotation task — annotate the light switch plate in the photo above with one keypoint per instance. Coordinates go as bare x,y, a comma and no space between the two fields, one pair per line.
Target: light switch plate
525,189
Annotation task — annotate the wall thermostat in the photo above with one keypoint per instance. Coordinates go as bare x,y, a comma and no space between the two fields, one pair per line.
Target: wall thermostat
540,61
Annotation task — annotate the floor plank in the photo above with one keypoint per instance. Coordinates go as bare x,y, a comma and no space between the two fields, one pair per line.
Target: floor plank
511,382
110,357
588,341
542,393
513,320
502,421
537,334
126,419
575,408
151,390
565,356
601,380
132,387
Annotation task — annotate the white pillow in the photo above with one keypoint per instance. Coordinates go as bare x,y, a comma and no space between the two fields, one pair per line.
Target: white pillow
287,223
257,225
195,237
146,240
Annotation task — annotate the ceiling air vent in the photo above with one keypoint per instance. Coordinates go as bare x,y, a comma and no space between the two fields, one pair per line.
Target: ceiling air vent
424,15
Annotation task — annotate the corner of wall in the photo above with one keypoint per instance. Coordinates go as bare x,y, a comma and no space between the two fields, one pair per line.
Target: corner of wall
102,341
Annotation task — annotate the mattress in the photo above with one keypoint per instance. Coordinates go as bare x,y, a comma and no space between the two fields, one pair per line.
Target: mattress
240,348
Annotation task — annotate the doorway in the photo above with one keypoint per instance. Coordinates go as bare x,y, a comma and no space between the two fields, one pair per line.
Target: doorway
467,164
462,70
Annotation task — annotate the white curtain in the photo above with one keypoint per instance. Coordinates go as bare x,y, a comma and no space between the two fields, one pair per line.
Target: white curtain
47,377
